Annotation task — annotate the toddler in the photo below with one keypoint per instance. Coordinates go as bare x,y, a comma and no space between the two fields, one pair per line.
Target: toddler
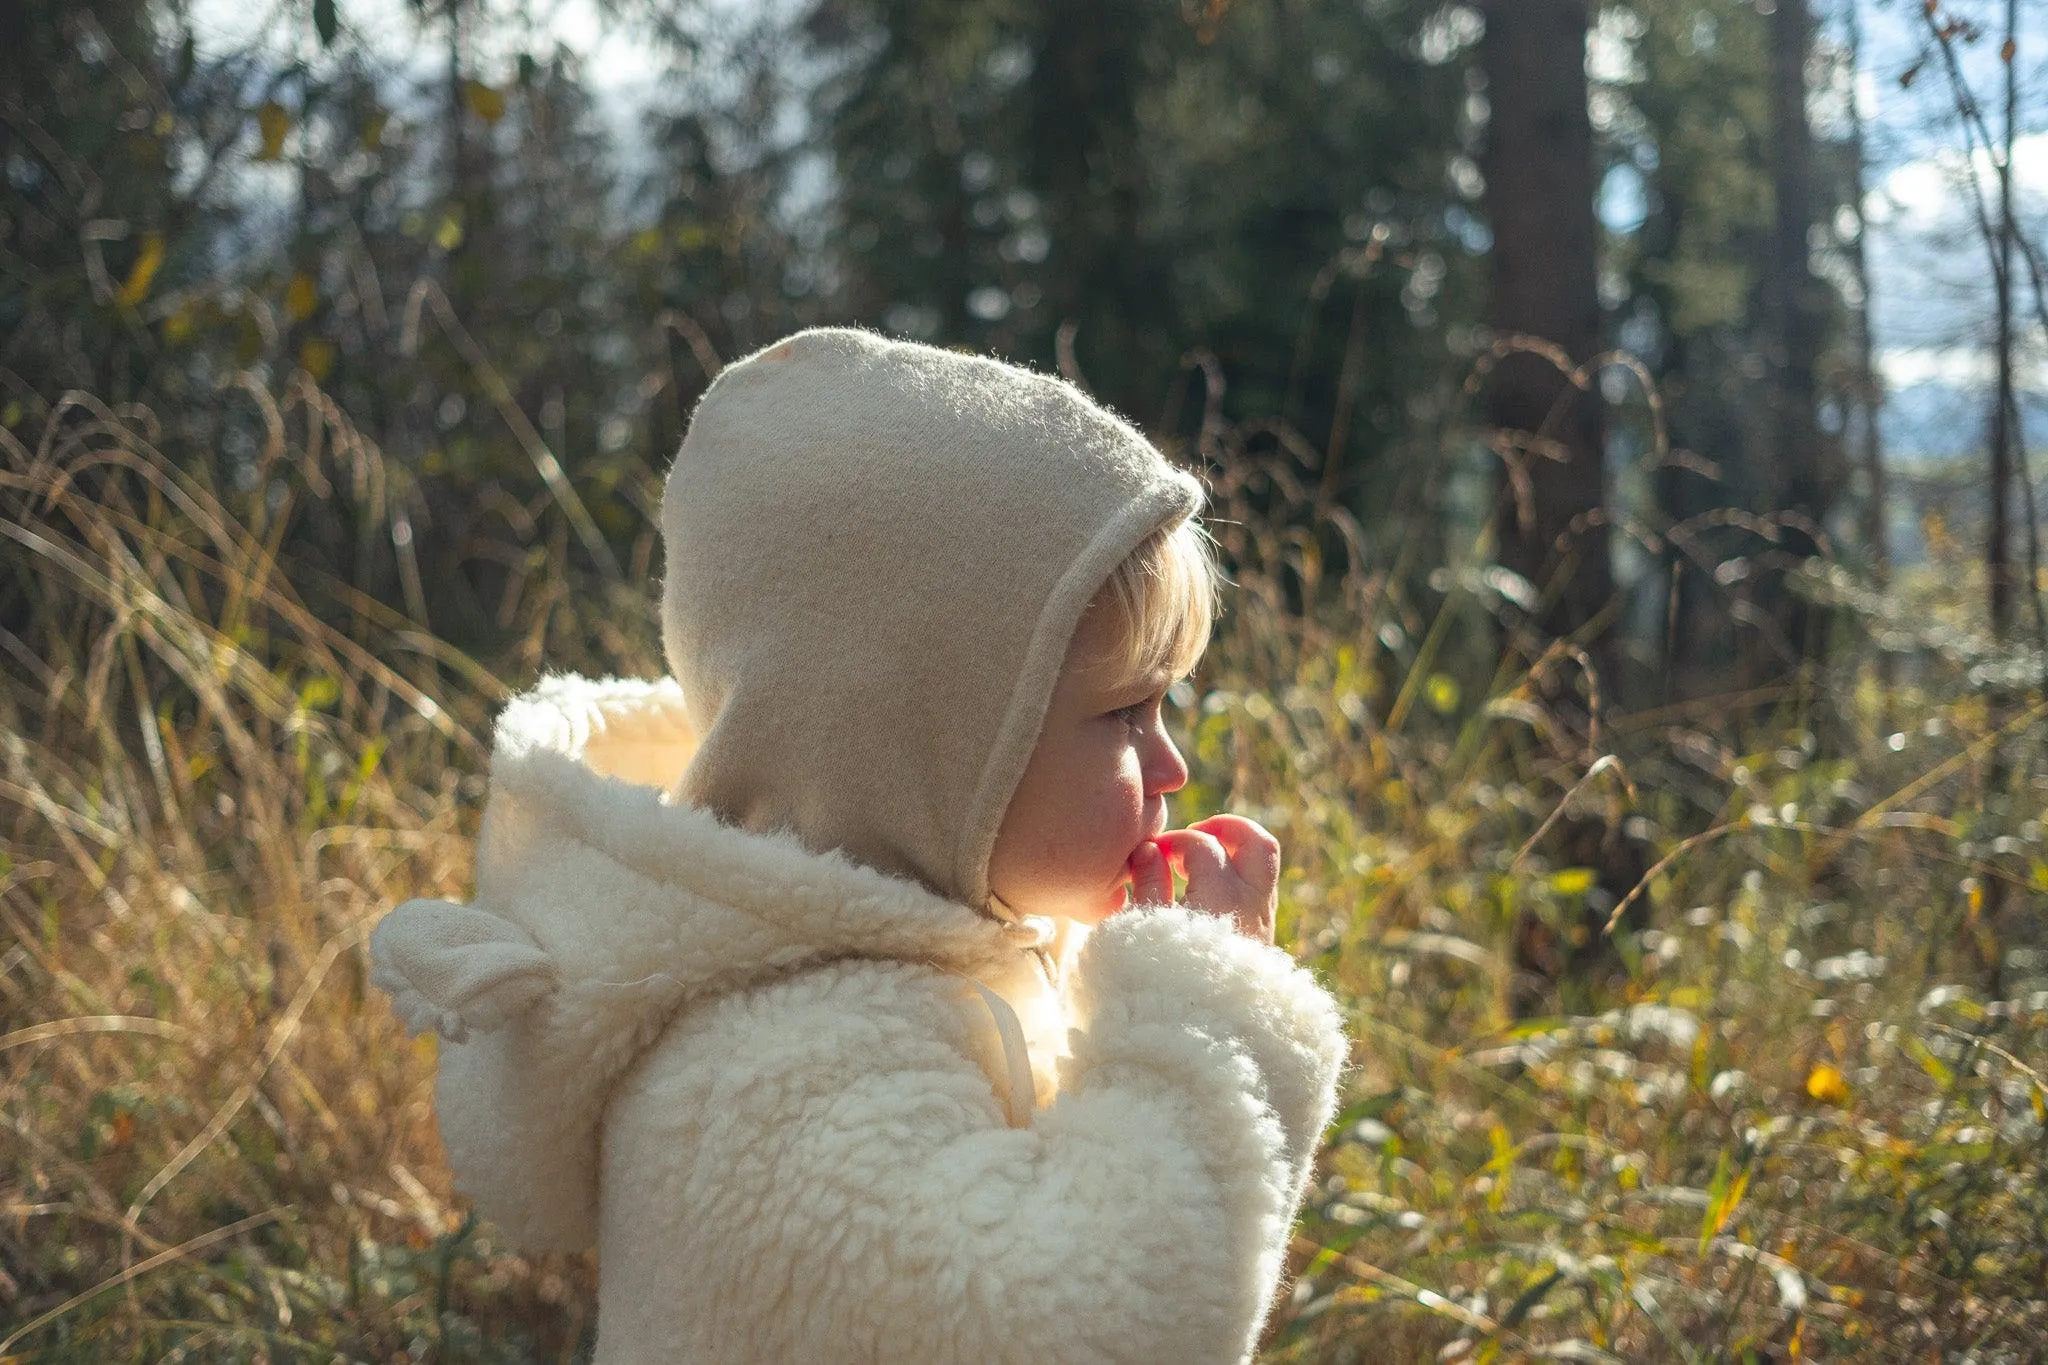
832,988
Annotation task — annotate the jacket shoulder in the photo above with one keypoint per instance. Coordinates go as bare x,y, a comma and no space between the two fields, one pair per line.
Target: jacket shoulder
825,1029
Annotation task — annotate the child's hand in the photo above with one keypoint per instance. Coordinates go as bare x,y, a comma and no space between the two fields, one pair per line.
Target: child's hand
1232,866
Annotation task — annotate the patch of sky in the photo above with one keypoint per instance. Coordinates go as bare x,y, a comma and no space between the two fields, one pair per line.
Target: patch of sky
1624,199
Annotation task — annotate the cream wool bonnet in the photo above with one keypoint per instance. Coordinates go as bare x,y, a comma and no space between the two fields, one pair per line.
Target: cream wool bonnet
877,553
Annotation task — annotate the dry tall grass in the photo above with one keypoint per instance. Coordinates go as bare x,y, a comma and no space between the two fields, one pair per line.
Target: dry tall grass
217,775
1798,1125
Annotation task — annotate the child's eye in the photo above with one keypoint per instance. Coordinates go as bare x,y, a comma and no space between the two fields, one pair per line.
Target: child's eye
1134,714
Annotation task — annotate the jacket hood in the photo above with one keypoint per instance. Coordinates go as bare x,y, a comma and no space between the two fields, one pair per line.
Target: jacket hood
877,555
603,908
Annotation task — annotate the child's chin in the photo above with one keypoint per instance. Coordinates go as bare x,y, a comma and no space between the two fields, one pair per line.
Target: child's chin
1083,913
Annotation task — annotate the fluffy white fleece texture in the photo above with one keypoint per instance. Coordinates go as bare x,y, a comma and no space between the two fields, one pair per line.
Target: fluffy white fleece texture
758,1080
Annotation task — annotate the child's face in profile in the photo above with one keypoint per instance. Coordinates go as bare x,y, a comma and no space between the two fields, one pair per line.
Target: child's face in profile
1095,788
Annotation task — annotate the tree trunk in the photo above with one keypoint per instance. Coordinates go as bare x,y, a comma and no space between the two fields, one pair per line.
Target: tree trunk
1997,540
1870,393
1998,567
1793,485
1539,198
1083,158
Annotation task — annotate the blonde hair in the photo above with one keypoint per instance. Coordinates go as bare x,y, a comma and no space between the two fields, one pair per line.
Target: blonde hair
1161,603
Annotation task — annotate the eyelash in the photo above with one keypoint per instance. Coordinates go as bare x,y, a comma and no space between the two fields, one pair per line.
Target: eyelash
1132,715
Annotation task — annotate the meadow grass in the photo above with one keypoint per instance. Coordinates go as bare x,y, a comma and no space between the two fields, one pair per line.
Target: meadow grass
1795,1109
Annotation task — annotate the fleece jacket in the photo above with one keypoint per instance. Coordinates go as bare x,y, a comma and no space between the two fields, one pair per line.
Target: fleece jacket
763,1081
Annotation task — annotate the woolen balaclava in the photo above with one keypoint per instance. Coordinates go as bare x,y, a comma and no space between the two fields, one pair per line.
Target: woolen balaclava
878,552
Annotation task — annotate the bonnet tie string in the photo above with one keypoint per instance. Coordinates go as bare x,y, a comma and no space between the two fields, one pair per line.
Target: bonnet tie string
1021,1101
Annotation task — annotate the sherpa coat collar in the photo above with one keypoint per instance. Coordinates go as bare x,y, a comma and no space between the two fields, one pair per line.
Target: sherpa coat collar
602,910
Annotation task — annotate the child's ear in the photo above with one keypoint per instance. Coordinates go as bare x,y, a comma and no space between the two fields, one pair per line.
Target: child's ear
451,968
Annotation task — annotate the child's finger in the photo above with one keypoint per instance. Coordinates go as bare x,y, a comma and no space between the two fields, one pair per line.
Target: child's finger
1198,856
1252,848
1151,878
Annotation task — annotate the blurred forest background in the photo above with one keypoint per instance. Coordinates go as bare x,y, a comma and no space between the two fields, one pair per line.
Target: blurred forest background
1620,417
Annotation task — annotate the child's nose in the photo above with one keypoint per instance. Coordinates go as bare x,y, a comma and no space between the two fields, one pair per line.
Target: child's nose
1165,769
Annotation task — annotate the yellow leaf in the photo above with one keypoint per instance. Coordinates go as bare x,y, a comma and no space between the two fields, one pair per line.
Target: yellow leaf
1930,1063
180,325
1441,691
1934,527
300,297
1724,1195
163,125
373,131
448,235
318,693
316,358
273,123
1572,881
1826,1084
147,261
486,103
1501,1167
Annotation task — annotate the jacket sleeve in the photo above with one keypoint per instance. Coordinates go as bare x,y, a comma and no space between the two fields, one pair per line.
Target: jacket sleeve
1195,972
818,1171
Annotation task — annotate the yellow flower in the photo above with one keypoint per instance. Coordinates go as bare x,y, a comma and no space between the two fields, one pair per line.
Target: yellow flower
1826,1084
